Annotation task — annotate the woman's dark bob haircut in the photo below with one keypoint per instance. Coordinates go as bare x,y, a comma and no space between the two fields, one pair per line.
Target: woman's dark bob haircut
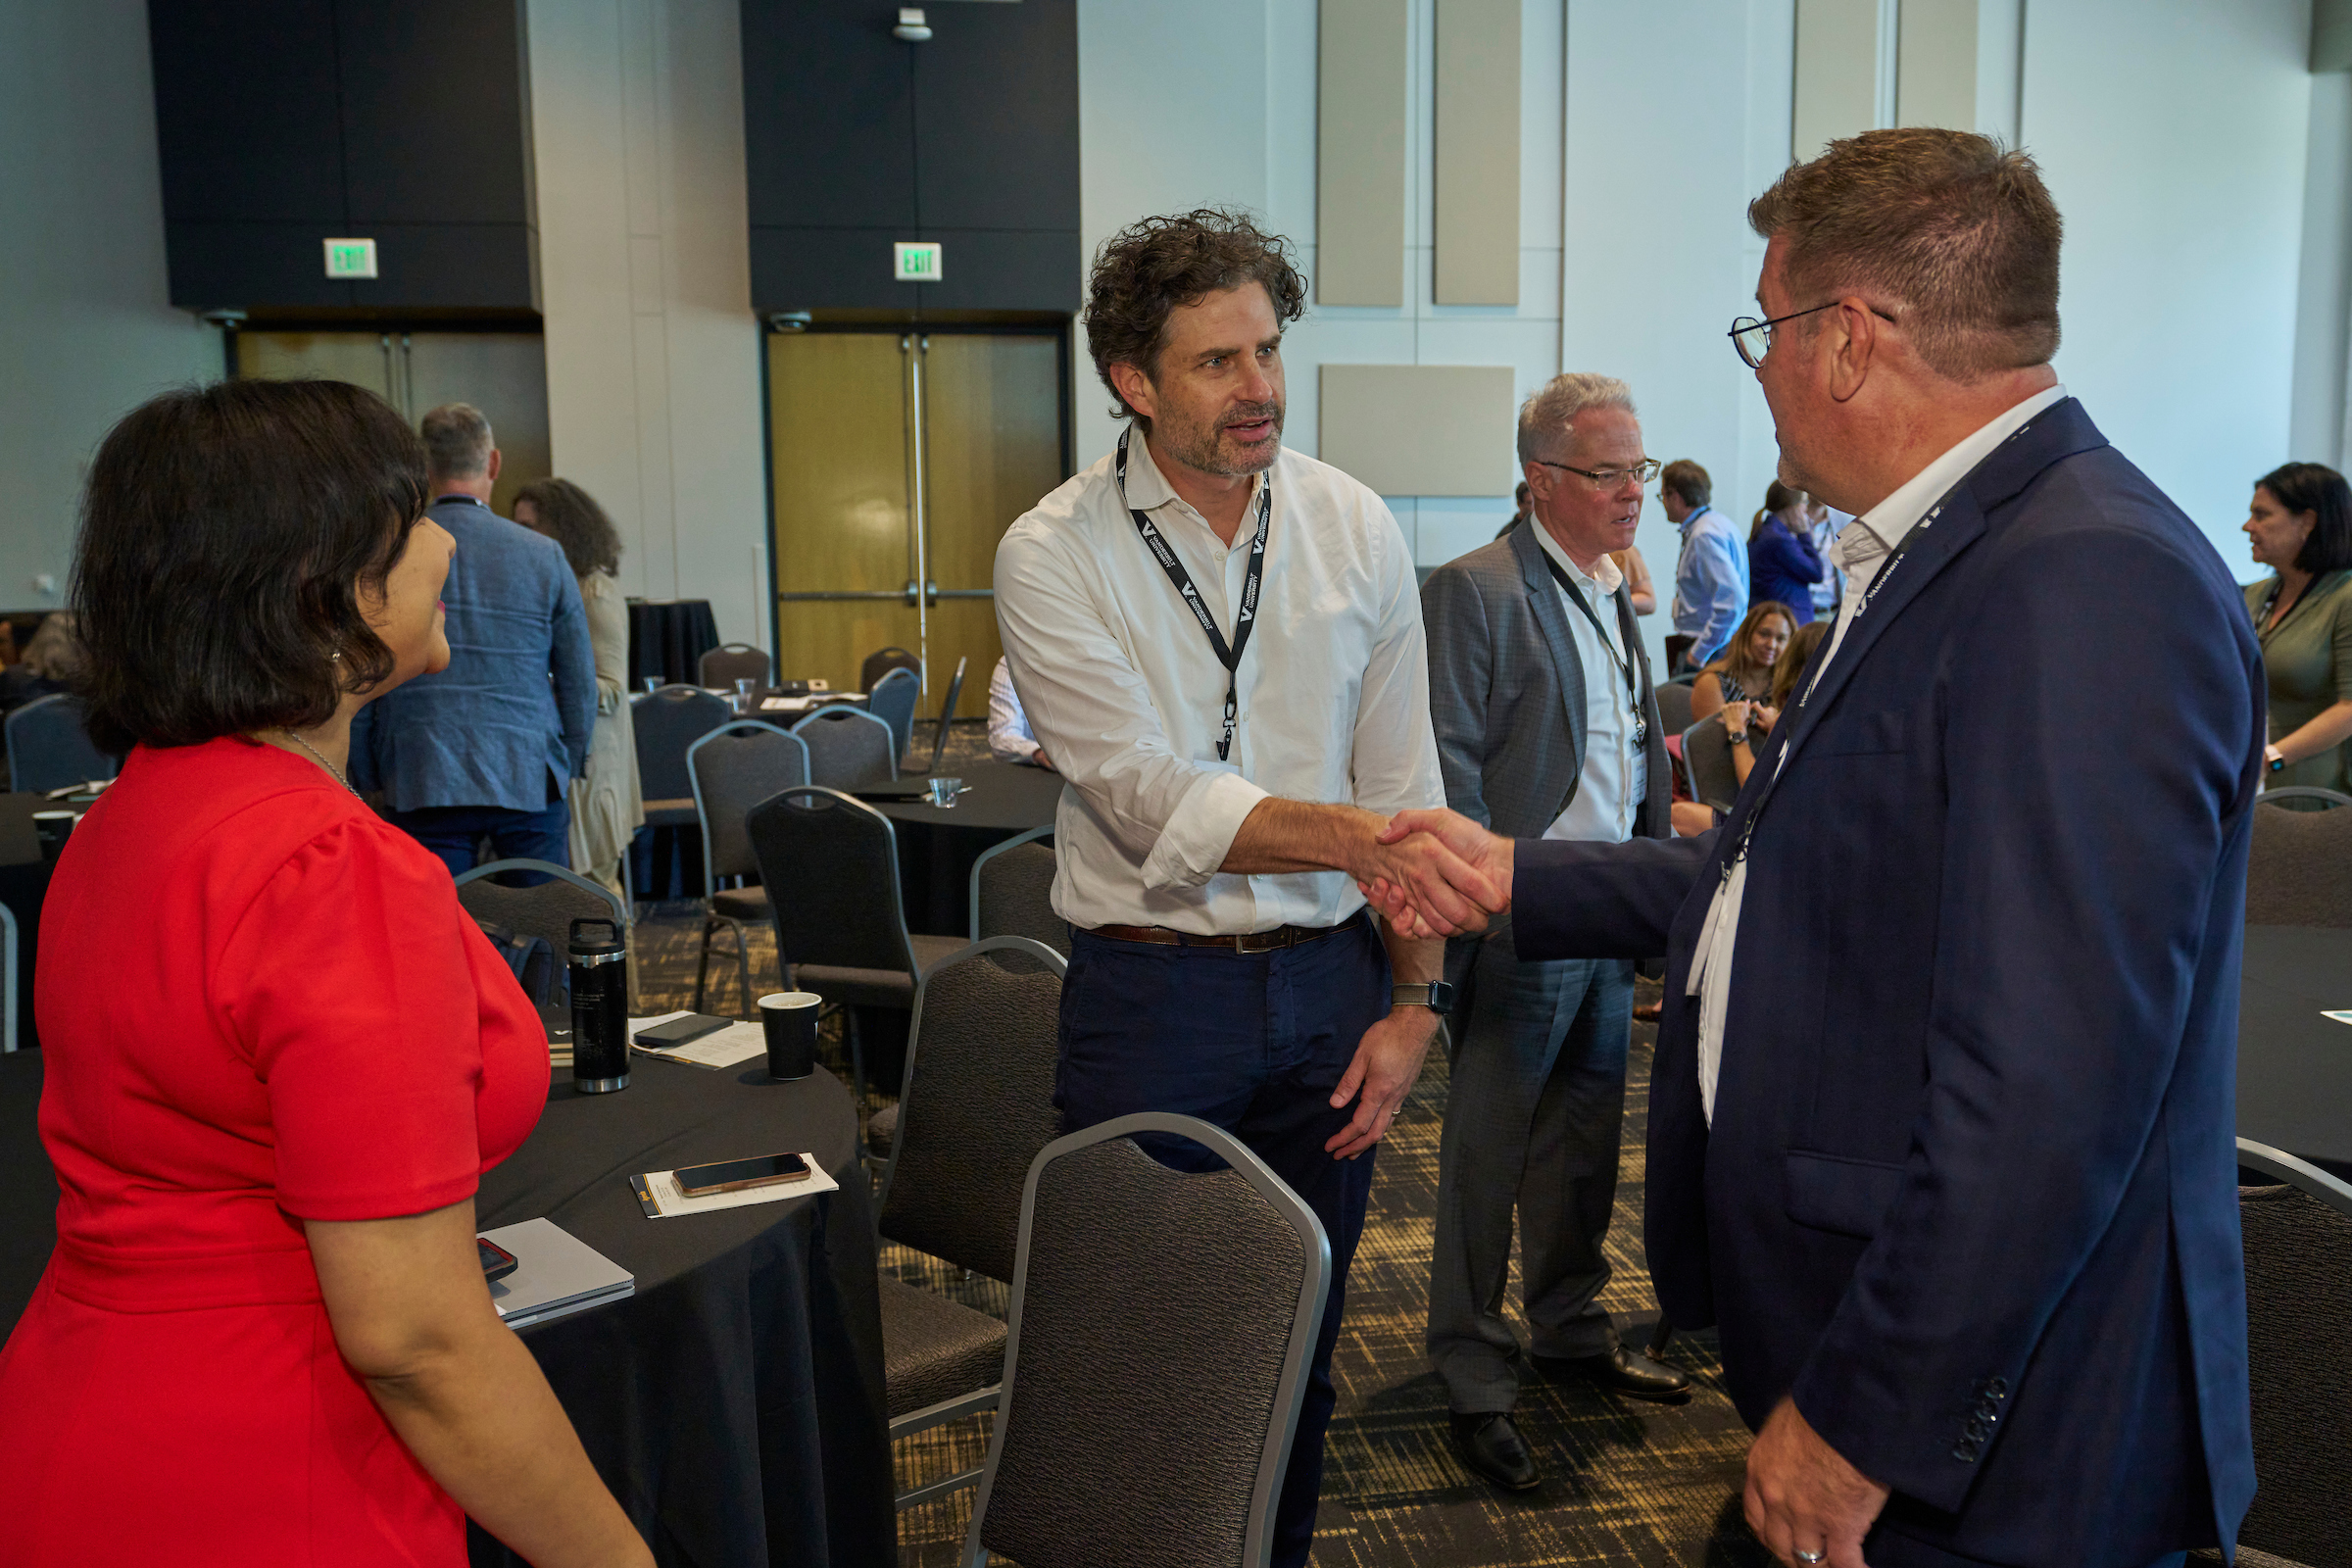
2316,488
227,536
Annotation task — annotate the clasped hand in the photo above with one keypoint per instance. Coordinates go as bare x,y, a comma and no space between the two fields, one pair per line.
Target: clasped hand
1438,874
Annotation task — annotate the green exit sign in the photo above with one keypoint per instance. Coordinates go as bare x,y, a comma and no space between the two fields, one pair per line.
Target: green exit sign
350,258
915,260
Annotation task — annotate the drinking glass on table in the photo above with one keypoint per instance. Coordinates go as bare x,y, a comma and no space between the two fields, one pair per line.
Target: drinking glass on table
747,690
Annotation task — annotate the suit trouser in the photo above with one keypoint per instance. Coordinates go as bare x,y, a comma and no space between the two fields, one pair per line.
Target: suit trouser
1532,1120
1253,1043
450,831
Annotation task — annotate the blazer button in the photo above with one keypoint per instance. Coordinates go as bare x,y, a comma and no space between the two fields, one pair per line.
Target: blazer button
1965,1452
1998,1387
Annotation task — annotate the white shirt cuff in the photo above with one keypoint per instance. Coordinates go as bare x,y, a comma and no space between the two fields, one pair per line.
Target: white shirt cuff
1200,832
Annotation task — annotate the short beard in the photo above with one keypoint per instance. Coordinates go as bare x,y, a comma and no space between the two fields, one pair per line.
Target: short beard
1205,448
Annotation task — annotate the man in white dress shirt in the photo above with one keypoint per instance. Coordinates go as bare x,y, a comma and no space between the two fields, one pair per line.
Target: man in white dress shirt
1942,1118
1009,737
1219,642
1546,728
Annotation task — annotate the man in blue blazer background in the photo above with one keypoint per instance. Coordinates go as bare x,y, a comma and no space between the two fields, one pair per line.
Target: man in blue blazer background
1947,1155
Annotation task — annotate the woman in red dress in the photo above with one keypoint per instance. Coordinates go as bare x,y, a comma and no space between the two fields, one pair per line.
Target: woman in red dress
277,1056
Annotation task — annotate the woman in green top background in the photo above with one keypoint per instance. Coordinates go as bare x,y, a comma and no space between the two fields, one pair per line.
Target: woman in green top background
2301,526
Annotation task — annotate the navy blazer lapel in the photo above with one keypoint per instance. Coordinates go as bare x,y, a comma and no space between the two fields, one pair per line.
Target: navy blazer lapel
1543,598
1948,528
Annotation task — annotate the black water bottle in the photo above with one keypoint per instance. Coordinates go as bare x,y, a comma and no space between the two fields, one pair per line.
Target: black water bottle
600,1006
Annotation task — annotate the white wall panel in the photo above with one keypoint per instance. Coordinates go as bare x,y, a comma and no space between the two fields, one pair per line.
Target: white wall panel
1476,190
1361,132
1420,429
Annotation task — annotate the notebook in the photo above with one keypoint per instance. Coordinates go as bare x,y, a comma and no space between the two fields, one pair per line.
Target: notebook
556,1274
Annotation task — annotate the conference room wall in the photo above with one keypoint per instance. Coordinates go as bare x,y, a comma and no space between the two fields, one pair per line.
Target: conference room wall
86,331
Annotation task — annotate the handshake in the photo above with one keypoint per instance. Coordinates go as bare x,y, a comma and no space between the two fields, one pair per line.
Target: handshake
1436,874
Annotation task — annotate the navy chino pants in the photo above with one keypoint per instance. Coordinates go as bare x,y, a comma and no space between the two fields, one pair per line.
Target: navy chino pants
1253,1043
449,831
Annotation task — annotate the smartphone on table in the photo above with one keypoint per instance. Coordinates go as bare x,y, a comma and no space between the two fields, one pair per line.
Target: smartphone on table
739,1175
497,1261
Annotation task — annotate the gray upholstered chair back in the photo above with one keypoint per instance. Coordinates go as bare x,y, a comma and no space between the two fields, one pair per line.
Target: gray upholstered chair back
892,700
7,979
666,722
2299,871
733,768
1707,760
848,747
1674,707
2306,798
48,748
881,662
830,864
546,910
1012,892
1160,1329
976,1107
723,666
2299,1355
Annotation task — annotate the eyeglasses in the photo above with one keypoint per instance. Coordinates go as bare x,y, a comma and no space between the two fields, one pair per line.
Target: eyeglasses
1610,479
1753,338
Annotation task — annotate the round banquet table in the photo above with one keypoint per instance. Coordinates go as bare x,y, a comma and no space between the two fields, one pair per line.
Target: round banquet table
668,639
2294,1067
734,1403
937,846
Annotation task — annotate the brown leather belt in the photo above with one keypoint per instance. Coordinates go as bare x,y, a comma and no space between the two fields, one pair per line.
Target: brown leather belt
1286,936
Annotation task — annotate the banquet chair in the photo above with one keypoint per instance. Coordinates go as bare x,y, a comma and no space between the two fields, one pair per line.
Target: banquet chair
1674,707
978,1094
2306,798
546,909
1708,763
2298,1239
732,770
882,660
848,747
7,979
892,700
1161,1326
830,864
2299,870
1012,892
666,721
48,748
723,666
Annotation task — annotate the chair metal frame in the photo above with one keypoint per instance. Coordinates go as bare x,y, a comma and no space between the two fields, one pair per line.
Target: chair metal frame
1691,766
2330,799
2308,1178
1289,1392
899,747
701,817
837,714
911,660
990,854
8,980
8,737
736,648
979,1400
621,912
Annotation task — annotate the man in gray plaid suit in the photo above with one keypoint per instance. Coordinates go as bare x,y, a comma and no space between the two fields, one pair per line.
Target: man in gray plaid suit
1546,728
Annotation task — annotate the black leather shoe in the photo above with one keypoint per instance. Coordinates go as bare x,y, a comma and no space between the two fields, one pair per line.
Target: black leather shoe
1492,1446
1623,1371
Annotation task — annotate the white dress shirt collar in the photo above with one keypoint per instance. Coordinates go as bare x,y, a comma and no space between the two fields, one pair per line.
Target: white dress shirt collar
1604,574
1149,490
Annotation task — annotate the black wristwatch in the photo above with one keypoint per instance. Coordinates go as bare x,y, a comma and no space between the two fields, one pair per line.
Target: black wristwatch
1437,997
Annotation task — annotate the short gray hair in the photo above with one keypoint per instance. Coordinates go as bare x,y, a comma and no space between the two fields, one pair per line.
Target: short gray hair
456,441
1554,405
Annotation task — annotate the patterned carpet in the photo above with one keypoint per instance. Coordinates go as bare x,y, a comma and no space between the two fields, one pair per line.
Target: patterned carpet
1625,1482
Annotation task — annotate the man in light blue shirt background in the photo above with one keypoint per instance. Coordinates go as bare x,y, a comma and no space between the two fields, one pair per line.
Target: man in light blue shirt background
1710,576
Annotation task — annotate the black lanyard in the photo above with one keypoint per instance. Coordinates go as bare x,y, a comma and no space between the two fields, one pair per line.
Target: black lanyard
1632,692
1230,657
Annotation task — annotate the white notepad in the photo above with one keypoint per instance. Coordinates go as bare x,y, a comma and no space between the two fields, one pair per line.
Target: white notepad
556,1274
724,1048
658,1194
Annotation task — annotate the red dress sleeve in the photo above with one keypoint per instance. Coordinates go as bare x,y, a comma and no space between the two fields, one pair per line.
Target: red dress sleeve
346,981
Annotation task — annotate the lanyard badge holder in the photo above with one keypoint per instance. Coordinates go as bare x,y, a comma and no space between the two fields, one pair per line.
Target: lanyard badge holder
1625,665
1165,555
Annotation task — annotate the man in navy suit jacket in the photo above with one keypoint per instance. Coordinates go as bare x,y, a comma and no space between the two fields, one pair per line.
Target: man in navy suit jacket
1949,1156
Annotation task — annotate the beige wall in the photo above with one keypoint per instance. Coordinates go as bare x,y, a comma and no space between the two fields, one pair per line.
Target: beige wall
652,365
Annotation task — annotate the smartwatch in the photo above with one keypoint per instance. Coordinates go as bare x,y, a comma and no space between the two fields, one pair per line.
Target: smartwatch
1437,997
2278,764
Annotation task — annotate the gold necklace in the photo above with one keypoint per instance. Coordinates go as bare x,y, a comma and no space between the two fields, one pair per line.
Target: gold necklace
322,762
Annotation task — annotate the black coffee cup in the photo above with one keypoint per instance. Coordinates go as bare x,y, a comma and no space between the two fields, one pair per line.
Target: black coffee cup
789,1019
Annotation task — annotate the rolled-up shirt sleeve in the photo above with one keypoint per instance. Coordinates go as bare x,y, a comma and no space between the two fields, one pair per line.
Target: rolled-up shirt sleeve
1093,714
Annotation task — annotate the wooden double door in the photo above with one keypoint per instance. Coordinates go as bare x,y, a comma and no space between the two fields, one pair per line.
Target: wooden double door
899,459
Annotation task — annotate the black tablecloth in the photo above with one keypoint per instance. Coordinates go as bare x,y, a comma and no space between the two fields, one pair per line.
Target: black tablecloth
2294,1067
937,847
668,639
735,1403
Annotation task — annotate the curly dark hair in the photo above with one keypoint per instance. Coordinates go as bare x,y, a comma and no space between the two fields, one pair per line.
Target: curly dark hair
228,535
1148,268
570,516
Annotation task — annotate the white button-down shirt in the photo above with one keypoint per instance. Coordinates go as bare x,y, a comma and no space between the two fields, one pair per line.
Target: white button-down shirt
1126,696
1862,550
1010,738
1615,777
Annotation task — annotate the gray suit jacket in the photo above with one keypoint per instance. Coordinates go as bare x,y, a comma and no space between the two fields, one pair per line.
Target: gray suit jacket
1507,691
